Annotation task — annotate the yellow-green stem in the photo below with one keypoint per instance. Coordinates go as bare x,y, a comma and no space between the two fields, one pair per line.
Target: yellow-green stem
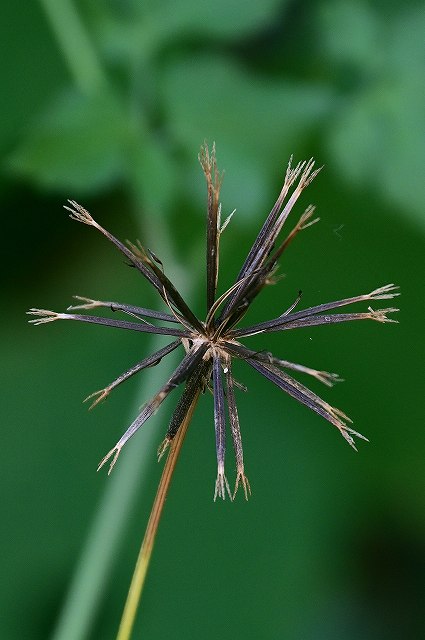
145,553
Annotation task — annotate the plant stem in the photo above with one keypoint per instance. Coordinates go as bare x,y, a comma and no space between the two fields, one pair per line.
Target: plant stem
145,553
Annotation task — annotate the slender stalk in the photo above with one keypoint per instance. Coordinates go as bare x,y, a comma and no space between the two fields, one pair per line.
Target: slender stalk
145,553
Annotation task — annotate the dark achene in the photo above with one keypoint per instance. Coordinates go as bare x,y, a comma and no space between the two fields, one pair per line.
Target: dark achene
210,345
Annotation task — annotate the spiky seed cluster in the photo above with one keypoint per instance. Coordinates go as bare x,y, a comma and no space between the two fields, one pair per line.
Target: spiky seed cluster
211,345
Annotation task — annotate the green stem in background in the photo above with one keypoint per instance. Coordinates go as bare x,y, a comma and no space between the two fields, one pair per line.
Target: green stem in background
96,561
97,558
142,564
108,527
75,45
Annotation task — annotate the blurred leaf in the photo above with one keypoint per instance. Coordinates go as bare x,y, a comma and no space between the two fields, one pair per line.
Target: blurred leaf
374,138
220,19
352,33
78,143
139,29
375,144
257,122
406,52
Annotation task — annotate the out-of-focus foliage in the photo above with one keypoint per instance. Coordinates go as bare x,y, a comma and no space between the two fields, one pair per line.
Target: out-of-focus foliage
161,94
108,103
383,112
78,143
143,28
169,84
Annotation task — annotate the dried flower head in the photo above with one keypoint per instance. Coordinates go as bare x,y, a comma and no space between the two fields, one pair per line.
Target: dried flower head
211,345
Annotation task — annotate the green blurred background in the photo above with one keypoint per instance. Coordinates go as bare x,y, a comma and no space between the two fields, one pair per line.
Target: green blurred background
107,102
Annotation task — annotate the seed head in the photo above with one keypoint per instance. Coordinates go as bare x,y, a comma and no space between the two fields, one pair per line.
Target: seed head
211,345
